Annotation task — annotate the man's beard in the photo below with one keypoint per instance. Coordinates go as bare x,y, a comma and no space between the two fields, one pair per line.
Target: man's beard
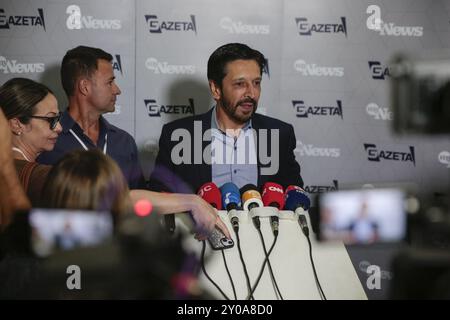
231,111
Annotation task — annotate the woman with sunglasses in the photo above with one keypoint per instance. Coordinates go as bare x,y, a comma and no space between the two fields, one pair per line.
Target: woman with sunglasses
33,116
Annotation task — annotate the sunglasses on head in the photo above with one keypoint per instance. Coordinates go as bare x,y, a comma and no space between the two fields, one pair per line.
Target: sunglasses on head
53,121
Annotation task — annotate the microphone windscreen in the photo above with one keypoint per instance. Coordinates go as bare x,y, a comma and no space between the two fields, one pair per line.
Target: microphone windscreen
211,194
296,198
250,195
293,187
248,187
230,195
273,194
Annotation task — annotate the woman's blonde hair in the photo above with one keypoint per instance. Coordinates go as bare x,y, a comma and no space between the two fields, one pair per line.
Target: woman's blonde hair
87,180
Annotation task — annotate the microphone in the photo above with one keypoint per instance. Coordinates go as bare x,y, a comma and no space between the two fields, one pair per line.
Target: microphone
231,201
293,187
211,194
273,196
251,198
296,197
297,200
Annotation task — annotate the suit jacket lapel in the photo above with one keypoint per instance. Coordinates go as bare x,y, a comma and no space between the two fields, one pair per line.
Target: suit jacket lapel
256,125
204,170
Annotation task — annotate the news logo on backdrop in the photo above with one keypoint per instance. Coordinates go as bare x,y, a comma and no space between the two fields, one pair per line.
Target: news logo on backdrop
315,70
155,110
309,150
10,21
164,67
239,27
375,23
379,113
76,20
375,154
302,110
158,25
378,71
15,67
307,28
315,189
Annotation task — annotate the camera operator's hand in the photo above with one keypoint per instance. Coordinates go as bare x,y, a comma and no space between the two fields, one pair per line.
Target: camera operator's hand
206,218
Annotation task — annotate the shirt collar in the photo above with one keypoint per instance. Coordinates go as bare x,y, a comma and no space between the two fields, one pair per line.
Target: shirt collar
67,123
214,125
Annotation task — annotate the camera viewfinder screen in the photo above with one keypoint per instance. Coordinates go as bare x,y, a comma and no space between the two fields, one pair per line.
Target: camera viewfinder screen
363,216
54,230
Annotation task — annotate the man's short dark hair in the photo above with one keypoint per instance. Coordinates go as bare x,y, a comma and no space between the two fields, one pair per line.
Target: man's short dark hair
78,62
230,52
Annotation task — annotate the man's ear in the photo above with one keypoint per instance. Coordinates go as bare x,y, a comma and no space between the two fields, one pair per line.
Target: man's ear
83,86
215,89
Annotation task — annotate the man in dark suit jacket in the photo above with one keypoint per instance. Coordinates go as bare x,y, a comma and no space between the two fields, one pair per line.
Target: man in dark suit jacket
190,154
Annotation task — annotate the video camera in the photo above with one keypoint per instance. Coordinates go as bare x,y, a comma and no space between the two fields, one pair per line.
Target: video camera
135,259
420,95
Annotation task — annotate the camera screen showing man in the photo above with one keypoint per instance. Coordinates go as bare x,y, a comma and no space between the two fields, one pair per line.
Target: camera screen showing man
364,228
363,216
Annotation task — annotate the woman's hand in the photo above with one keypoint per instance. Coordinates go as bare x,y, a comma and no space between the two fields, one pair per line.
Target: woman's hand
206,218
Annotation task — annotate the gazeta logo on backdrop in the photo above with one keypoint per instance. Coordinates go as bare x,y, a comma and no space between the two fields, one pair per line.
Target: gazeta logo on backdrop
322,188
76,20
10,21
303,110
307,28
157,25
266,69
117,63
155,110
164,67
315,70
379,72
239,27
379,113
375,23
376,154
15,67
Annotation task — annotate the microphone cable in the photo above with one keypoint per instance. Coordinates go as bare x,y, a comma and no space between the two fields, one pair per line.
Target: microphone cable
263,266
272,276
229,274
206,274
319,287
305,230
247,278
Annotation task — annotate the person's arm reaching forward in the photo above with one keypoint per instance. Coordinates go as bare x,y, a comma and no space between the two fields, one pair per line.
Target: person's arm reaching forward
205,216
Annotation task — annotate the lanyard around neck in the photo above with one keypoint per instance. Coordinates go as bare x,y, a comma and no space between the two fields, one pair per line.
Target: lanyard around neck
84,146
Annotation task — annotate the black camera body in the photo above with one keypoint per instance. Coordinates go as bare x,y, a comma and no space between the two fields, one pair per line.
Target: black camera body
420,96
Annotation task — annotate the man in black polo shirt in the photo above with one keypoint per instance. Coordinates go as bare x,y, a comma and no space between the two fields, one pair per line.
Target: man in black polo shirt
89,82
